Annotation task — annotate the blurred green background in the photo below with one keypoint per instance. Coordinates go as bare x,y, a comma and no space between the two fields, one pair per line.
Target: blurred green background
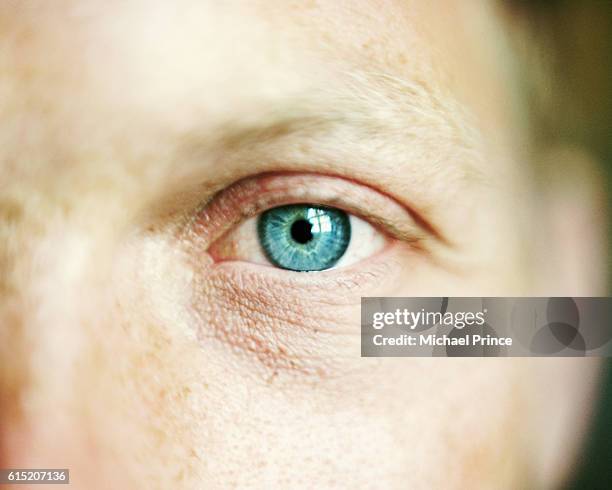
566,47
595,470
583,37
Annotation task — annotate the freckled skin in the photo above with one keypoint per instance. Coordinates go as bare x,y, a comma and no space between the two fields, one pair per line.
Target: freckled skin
129,356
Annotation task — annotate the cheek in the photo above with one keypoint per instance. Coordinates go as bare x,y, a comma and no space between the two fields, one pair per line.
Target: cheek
216,409
264,382
192,374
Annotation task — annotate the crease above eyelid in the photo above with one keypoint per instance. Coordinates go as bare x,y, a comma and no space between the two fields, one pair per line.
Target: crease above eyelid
252,195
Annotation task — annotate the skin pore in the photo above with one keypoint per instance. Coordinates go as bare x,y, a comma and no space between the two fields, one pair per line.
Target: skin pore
144,344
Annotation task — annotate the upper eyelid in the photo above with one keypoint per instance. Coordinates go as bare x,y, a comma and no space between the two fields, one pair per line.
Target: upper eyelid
255,194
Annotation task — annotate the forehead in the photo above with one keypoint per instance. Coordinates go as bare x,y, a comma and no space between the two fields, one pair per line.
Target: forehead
194,61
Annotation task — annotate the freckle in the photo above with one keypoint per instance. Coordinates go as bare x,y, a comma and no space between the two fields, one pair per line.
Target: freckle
366,45
10,211
327,37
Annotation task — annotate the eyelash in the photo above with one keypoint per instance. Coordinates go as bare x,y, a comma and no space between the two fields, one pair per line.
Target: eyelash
254,195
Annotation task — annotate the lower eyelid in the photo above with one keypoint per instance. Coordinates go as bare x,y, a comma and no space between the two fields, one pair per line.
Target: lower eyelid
354,279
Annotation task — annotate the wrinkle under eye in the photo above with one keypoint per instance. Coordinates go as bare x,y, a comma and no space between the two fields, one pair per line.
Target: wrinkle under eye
304,237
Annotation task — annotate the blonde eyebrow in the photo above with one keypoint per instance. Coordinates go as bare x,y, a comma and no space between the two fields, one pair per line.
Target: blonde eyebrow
370,104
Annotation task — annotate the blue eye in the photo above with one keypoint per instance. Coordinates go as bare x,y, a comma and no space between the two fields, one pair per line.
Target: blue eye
304,237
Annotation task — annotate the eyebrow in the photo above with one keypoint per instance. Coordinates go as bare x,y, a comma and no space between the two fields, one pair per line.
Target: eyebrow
369,105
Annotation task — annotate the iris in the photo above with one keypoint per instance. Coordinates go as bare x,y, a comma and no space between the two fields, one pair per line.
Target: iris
304,237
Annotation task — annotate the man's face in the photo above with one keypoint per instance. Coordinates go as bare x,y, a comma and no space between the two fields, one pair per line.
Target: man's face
148,342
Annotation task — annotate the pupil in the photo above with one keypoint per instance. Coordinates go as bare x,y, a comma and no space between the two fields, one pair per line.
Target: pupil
301,231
